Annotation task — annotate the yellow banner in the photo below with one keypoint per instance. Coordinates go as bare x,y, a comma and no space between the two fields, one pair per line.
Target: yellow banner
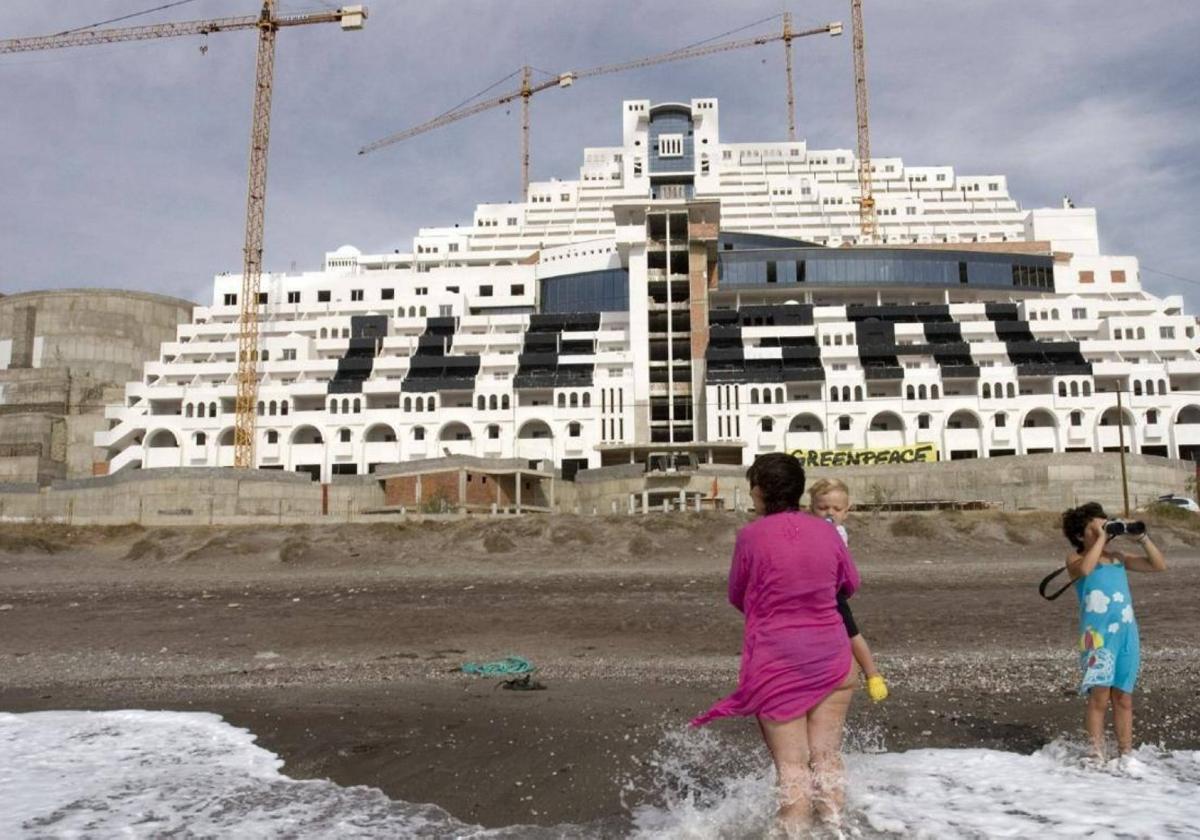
919,454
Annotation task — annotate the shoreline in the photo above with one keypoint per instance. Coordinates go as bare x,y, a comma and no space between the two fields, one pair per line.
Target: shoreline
334,648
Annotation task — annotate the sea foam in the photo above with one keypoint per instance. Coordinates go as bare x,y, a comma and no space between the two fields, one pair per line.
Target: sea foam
183,774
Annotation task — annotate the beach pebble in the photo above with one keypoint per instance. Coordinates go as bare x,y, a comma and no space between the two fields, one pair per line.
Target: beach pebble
6,607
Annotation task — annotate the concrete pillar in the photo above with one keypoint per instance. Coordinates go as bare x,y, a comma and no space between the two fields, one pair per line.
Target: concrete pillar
632,503
645,501
518,477
682,501
697,503
737,498
614,506
666,506
462,488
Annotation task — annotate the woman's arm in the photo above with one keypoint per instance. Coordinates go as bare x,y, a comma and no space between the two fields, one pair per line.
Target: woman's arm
739,574
1153,561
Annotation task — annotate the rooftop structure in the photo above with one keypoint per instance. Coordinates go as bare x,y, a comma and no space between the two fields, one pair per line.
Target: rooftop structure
685,294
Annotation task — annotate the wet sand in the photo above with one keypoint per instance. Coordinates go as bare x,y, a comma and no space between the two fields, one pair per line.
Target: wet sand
335,645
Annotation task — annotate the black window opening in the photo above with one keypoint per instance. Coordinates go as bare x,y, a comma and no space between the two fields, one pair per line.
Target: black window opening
324,296
387,294
962,273
772,273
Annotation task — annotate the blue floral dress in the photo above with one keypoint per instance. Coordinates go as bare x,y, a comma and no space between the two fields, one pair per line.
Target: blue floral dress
1109,649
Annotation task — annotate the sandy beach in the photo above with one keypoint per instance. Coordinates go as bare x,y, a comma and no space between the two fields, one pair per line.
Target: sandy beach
336,645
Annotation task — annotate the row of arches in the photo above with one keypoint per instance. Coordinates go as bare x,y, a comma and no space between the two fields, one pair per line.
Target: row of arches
1148,387
766,396
202,409
269,409
494,402
1075,389
967,419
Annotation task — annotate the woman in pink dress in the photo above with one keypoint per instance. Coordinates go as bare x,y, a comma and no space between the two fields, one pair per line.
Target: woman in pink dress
797,674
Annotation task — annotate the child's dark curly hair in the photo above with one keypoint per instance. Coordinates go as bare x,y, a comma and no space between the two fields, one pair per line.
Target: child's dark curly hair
780,478
1075,520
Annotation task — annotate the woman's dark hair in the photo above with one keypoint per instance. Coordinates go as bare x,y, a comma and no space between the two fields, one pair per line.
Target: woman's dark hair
1075,521
780,479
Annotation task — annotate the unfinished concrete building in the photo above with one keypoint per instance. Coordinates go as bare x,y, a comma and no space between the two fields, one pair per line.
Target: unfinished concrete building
64,355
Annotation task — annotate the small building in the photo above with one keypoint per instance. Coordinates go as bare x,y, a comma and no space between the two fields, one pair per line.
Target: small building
468,484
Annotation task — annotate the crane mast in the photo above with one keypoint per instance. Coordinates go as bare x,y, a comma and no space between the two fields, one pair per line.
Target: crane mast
866,200
260,135
268,24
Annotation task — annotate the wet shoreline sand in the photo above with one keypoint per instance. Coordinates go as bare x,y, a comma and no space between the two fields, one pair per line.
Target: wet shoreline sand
335,645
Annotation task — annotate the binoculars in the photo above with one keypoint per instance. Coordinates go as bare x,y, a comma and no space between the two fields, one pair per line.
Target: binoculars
1124,528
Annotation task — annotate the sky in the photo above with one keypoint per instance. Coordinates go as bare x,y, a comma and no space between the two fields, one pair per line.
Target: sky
124,165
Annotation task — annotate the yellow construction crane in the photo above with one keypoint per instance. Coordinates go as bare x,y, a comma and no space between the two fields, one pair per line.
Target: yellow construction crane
267,22
866,199
563,80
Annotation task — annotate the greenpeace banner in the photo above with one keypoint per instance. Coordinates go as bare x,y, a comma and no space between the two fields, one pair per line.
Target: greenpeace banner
922,453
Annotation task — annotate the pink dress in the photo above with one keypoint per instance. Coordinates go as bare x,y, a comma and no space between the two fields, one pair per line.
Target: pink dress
787,571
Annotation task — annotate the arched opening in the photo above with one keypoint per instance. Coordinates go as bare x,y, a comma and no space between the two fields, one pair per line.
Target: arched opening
534,430
933,392
574,429
333,406
1087,389
380,433
226,437
963,419
753,396
806,423
420,403
587,400
1137,387
493,432
431,404
199,439
1010,390
858,393
187,412
305,435
1150,387
454,431
504,403
1188,415
921,392
535,441
766,424
910,392
1074,389
492,402
833,394
1039,418
162,439
1111,417
574,400
481,403
886,421
1062,389
987,390
845,393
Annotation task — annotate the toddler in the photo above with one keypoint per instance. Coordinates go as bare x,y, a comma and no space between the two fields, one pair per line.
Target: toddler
830,499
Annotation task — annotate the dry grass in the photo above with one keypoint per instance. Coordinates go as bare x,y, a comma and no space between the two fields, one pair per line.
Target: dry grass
914,525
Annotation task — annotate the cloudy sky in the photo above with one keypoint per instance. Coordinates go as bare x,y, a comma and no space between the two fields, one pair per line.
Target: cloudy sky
124,165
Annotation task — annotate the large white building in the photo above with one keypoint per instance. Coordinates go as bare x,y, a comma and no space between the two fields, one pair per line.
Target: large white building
691,294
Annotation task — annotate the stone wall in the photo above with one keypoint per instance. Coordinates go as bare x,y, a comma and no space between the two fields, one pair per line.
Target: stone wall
64,355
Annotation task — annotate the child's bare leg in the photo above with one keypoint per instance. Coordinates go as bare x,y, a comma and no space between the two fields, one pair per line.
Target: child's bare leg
1122,706
1097,706
862,655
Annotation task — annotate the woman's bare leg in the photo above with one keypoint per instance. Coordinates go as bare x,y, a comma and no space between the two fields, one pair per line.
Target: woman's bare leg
788,743
1097,706
1122,706
826,727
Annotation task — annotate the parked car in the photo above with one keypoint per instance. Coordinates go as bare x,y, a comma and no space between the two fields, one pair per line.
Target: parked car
1179,501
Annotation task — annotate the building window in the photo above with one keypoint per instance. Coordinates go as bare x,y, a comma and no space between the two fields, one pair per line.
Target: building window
293,297
356,294
387,294
323,296
1152,416
844,423
922,421
485,291
1001,420
767,424
573,429
419,433
493,432
1078,313
1087,277
344,435
231,300
289,354
1118,276
1166,332
670,145
512,221
1076,418
262,298
272,436
517,289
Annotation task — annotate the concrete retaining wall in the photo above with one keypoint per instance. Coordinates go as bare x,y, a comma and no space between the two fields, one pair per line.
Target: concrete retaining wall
202,496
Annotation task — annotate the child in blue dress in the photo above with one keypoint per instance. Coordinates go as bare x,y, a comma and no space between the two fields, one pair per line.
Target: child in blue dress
1109,648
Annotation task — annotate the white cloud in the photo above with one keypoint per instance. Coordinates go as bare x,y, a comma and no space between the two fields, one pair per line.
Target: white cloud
1096,602
1119,597
1127,614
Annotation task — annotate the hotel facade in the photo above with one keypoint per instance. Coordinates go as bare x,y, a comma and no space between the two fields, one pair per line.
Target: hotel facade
687,295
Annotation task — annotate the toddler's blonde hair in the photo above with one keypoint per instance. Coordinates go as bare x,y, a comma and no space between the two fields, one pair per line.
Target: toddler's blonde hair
825,486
